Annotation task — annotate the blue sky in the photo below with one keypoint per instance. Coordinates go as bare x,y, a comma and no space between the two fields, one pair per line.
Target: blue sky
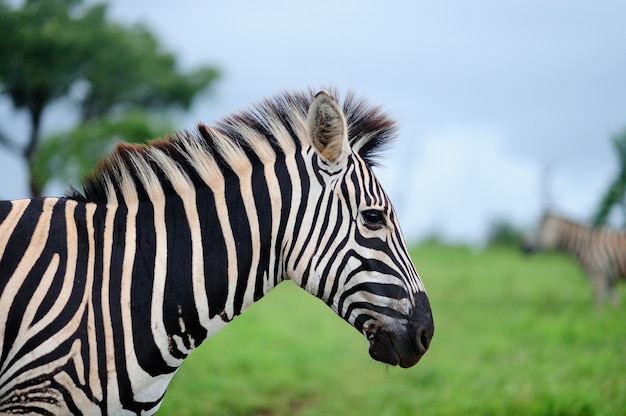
487,94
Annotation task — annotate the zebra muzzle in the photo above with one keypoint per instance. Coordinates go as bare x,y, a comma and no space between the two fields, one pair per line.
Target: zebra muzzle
405,343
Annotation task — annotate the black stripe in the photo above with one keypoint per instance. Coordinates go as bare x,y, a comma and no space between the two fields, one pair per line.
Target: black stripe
305,186
346,193
5,209
366,264
179,300
387,290
56,243
360,321
397,246
240,227
339,245
263,205
285,183
115,306
339,272
375,243
215,255
312,229
383,310
141,290
96,299
20,239
372,197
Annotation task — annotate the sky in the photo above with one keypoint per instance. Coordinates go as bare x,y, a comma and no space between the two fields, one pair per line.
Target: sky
496,102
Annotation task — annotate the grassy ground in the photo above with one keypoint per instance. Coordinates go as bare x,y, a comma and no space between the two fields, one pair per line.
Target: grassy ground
513,336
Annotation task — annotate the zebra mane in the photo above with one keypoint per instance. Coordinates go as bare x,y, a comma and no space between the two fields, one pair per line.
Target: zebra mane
271,127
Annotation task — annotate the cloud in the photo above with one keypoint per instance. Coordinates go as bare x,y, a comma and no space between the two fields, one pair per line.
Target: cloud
462,179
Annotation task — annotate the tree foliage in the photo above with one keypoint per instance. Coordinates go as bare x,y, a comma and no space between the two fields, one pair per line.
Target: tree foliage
68,157
146,76
50,47
504,233
615,195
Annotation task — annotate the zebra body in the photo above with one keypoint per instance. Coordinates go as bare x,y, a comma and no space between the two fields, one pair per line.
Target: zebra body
104,293
600,252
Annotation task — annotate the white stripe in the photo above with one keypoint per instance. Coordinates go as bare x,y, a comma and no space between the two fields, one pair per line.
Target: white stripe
206,167
31,254
113,397
8,225
137,375
92,339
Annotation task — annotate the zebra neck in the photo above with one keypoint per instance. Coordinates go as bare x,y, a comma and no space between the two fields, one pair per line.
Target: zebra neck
179,274
574,239
177,268
191,275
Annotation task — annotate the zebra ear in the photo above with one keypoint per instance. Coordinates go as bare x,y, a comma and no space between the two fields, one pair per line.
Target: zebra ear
327,128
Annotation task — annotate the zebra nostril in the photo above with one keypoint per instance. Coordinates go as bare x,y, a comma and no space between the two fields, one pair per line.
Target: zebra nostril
424,326
423,339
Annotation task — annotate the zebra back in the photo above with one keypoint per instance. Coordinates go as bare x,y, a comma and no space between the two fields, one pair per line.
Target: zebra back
601,252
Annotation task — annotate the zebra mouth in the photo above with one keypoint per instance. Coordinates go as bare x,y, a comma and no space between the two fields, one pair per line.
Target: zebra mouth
401,341
400,347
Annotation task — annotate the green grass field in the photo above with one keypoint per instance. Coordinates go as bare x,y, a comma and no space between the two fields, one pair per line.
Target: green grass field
513,336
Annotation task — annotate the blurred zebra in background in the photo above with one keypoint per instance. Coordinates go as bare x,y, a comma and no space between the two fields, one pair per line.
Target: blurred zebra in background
104,293
600,252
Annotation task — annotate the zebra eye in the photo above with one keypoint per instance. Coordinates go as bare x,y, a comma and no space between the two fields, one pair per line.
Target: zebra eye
373,218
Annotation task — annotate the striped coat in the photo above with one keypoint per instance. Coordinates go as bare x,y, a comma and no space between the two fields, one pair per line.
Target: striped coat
105,292
600,252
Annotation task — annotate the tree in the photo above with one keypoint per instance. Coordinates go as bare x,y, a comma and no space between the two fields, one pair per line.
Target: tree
503,233
70,156
49,48
616,192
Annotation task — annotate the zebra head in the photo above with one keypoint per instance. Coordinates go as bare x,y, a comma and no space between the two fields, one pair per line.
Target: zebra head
353,255
545,236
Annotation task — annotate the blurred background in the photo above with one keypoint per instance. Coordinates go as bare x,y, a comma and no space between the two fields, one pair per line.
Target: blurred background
503,107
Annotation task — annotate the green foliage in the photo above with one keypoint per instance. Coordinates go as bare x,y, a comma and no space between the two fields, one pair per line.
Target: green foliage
503,233
615,195
44,48
67,157
131,67
513,336
49,47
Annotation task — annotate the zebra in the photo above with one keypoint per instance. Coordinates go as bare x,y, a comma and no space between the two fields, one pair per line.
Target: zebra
600,252
104,292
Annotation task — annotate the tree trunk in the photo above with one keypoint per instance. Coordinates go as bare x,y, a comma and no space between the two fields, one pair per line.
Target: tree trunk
36,112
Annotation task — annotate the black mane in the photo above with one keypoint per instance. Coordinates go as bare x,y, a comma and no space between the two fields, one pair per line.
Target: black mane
370,131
